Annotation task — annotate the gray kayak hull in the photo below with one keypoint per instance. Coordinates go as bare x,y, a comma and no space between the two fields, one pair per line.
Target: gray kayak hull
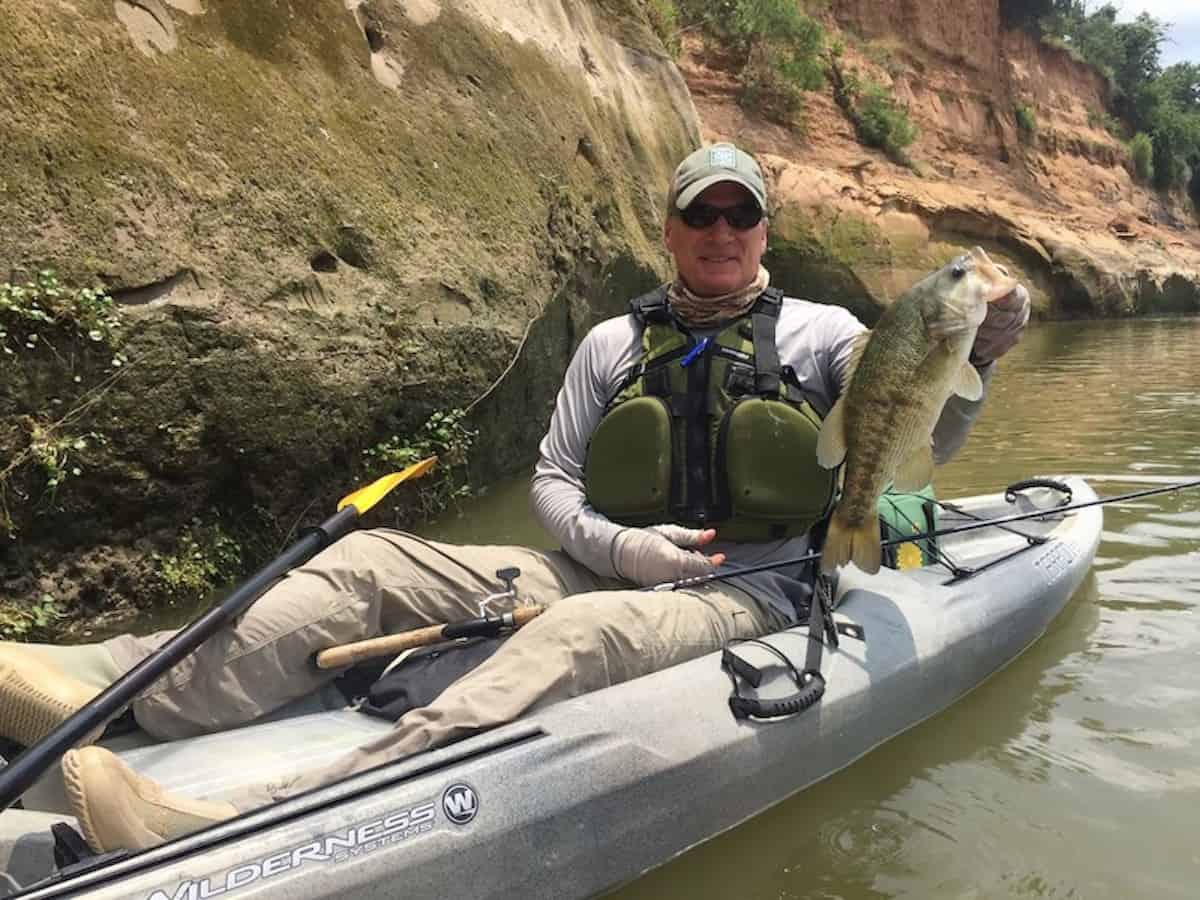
589,793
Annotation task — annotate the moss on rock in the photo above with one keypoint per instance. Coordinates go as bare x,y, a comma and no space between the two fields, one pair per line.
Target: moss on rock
310,260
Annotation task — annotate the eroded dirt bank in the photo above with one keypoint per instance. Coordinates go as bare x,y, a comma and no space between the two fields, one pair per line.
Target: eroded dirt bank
1059,205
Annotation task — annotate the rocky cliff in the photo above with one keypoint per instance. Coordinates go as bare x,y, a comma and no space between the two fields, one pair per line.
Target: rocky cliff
322,222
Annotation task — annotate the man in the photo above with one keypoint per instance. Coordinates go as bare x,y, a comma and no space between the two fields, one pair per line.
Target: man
653,440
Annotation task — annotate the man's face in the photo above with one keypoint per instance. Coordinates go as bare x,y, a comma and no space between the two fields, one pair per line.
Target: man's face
718,259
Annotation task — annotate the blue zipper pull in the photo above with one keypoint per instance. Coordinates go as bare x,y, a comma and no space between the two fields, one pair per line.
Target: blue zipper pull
691,355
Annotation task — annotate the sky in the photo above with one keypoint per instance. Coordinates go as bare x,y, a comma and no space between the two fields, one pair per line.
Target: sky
1183,16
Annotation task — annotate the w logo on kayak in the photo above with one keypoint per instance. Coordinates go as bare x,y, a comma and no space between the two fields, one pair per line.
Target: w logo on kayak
460,803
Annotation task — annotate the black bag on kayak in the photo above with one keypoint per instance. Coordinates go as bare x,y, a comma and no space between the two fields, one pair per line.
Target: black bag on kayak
418,680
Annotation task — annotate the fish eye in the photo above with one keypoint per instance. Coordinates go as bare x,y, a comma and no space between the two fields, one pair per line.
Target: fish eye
958,270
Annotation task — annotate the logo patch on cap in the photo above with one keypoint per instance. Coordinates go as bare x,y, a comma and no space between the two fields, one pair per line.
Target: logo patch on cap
723,157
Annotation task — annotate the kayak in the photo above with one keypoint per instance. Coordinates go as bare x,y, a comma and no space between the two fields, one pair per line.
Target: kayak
583,795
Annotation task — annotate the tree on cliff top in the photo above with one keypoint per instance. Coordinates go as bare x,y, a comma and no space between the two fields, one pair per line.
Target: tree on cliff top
1164,105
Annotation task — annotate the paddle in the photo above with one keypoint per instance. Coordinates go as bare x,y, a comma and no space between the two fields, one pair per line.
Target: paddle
696,580
29,766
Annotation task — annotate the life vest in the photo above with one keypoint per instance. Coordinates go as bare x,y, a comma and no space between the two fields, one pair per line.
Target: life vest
710,432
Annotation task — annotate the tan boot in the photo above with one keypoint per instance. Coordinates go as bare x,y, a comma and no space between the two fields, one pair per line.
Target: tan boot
37,696
120,809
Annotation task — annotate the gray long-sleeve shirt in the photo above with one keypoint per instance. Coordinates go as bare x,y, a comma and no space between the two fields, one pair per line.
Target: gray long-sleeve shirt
814,339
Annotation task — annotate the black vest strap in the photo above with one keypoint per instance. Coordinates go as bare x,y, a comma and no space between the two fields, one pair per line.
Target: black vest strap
764,316
652,307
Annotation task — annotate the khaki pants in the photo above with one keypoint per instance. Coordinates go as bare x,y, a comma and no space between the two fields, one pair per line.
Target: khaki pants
596,632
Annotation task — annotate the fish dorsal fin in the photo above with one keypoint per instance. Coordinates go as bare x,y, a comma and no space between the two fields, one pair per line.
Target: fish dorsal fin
858,344
831,443
916,471
967,383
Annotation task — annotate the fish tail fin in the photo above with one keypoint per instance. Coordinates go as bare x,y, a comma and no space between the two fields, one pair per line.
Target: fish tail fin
858,544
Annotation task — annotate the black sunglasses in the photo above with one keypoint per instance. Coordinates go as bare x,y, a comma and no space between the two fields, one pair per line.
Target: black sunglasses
702,215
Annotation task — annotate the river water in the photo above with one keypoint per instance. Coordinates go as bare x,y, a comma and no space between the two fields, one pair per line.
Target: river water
1075,772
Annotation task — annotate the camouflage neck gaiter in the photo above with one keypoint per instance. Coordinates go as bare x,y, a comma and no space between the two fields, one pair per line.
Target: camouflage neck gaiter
706,312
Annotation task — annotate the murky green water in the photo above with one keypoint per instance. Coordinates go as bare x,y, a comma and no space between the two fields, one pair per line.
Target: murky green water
1076,771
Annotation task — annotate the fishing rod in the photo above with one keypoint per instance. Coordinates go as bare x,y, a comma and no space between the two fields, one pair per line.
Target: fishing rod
485,625
22,772
697,580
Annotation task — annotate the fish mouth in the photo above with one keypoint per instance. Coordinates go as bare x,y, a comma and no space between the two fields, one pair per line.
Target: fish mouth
1000,283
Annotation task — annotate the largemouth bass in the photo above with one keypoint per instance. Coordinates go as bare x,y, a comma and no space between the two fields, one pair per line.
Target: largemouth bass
900,376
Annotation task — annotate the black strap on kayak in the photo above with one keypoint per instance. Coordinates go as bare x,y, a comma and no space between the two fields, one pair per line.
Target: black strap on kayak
810,683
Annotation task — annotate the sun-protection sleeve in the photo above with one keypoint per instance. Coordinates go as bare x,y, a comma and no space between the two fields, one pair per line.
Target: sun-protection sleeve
608,351
958,415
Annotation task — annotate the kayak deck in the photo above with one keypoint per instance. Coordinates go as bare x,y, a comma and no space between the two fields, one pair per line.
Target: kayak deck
587,793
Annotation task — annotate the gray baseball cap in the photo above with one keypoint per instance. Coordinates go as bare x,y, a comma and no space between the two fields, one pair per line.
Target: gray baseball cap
711,165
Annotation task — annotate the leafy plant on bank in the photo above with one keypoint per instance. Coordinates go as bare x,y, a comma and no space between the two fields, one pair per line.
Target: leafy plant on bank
205,558
59,457
22,623
879,121
1141,154
1026,122
664,19
30,310
38,315
445,435
778,46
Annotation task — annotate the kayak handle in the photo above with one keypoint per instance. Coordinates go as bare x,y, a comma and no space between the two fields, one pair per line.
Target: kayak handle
751,708
1010,492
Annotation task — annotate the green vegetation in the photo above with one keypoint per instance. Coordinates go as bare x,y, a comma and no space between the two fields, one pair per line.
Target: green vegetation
1161,104
1141,152
25,623
57,456
879,120
43,304
444,435
883,122
41,318
1100,119
205,558
778,47
1026,121
664,19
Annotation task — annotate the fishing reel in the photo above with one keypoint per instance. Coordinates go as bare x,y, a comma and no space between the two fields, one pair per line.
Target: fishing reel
508,577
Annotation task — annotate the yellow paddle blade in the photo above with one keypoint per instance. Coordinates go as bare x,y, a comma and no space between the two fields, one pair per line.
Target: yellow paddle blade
364,498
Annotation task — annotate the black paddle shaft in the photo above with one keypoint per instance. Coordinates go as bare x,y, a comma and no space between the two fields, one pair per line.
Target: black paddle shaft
17,777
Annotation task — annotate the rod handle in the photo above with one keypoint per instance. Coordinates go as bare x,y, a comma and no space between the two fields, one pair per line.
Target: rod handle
348,654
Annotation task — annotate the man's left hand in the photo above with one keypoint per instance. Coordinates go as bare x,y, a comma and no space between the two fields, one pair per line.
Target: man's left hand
1002,328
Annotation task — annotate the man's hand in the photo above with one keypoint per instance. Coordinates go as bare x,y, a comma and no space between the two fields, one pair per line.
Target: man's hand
660,553
1002,328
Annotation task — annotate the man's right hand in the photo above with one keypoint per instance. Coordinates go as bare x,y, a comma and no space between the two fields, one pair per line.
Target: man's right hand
662,553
